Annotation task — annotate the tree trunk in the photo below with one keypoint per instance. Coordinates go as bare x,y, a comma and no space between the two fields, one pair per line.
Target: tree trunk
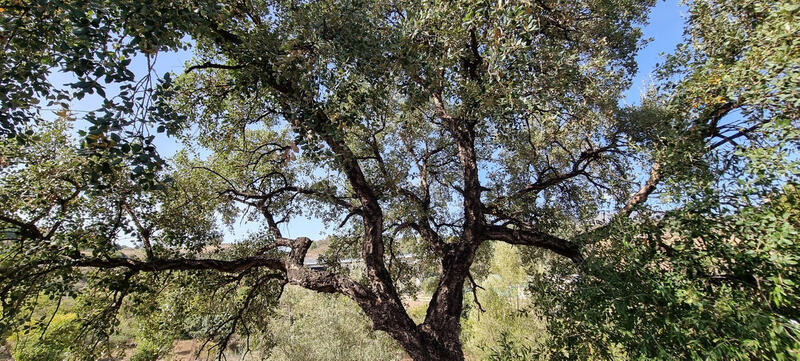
438,338
427,347
434,351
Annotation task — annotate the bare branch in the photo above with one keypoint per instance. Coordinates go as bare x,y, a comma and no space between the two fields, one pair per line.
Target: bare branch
184,264
144,232
532,237
475,288
210,65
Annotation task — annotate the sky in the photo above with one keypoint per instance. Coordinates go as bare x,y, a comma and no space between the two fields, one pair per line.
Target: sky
664,31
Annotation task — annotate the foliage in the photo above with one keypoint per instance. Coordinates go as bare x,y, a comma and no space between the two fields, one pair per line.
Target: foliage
45,344
48,168
405,126
507,326
56,53
309,326
712,273
146,352
509,351
689,287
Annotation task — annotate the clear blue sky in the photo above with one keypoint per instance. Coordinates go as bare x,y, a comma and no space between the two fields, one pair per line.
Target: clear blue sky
664,29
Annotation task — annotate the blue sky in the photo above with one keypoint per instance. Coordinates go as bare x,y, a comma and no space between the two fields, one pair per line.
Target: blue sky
664,30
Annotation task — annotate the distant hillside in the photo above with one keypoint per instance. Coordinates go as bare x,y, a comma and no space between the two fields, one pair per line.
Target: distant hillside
318,248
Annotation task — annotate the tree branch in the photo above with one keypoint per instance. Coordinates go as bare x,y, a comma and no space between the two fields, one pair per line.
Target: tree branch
531,237
475,288
210,65
704,127
579,167
644,192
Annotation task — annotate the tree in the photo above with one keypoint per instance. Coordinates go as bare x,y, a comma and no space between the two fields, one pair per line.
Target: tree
447,124
714,276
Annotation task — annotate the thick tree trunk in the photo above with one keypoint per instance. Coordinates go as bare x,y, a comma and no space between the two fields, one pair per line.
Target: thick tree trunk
433,350
423,346
438,338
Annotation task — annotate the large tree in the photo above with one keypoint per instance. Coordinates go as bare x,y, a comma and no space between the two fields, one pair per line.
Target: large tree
439,125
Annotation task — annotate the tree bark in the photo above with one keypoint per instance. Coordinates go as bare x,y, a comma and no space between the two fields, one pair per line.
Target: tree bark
421,344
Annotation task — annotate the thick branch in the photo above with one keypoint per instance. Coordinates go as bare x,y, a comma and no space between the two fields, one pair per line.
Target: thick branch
210,65
373,248
464,134
644,192
27,230
531,237
185,264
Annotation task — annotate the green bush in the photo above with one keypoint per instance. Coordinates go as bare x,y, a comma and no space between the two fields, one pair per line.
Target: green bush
313,326
508,350
50,345
146,351
509,327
